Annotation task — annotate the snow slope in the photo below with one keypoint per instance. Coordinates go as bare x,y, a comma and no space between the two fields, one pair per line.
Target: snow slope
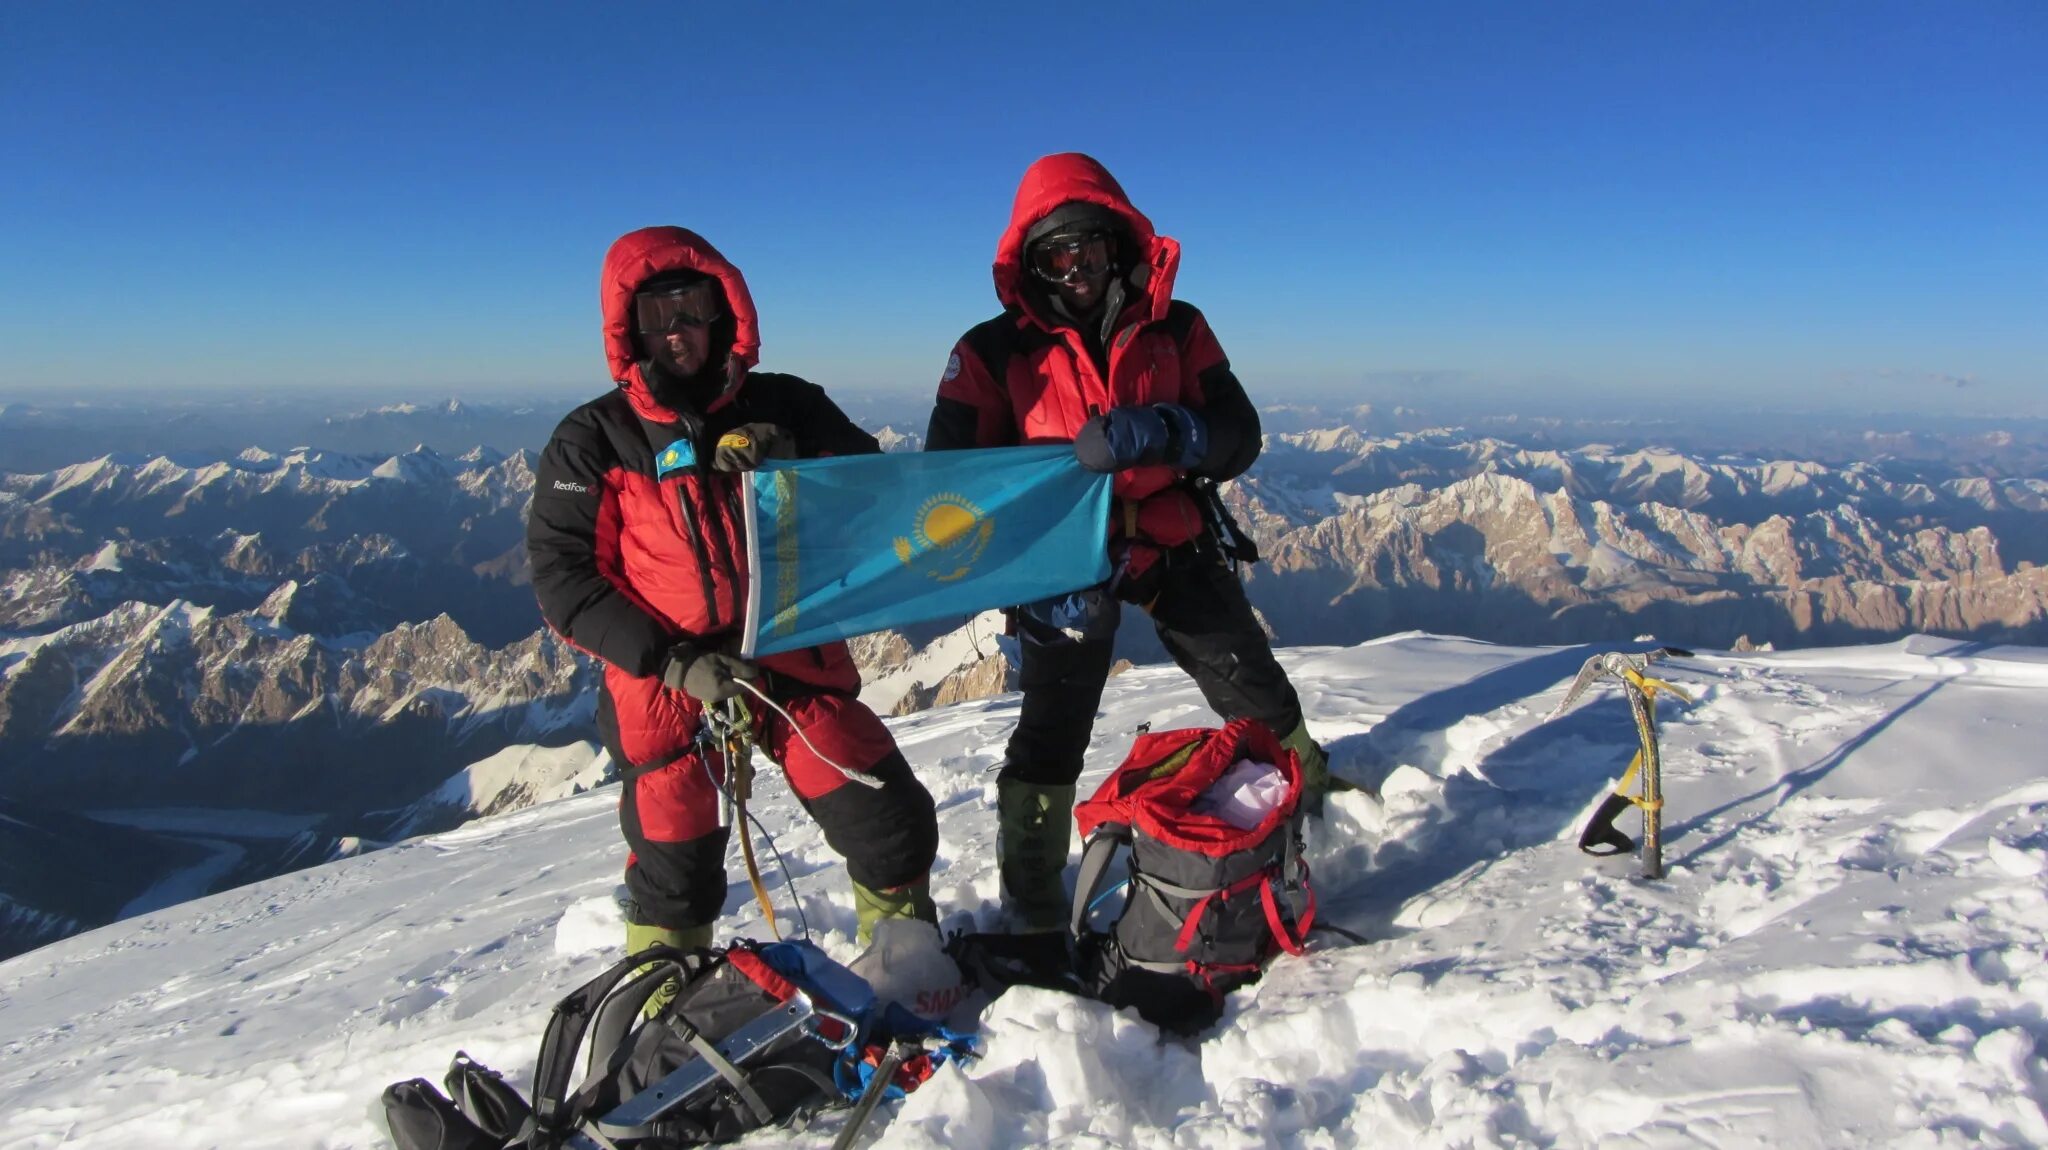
1848,950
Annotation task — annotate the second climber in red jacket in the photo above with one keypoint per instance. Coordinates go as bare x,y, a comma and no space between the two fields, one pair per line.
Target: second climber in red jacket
1091,348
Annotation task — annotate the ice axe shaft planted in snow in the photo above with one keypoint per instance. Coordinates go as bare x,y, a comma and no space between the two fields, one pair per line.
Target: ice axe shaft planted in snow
878,1084
1600,836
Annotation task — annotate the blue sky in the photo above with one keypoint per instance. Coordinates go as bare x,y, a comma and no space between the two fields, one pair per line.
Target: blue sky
1813,205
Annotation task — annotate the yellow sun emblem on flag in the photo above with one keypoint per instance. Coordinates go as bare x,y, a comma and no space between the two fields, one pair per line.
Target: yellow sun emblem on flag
949,536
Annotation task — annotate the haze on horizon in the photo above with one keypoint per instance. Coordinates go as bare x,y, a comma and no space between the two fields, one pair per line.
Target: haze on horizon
1833,207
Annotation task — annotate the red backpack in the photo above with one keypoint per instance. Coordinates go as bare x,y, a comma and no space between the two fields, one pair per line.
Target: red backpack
1208,901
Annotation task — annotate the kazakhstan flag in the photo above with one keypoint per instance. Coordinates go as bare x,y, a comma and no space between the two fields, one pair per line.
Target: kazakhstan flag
857,543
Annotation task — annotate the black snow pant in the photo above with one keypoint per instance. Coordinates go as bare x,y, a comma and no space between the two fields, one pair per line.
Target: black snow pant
1206,624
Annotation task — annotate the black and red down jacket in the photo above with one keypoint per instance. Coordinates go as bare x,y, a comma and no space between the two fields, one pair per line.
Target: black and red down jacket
1024,377
631,555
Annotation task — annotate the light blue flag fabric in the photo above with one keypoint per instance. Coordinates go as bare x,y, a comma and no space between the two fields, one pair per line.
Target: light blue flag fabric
857,543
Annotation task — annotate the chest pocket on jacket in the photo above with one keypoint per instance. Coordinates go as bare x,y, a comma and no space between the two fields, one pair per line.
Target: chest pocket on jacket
1148,370
1048,395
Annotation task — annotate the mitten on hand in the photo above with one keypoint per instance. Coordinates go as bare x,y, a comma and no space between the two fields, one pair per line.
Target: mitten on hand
1125,437
706,676
747,446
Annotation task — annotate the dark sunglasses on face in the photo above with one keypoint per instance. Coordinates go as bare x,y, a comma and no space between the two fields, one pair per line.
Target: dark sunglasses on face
697,305
1071,259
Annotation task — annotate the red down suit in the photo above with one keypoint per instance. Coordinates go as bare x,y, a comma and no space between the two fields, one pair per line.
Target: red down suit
1036,375
1027,376
637,544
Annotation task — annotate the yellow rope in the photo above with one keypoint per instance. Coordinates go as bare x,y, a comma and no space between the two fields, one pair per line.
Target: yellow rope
739,766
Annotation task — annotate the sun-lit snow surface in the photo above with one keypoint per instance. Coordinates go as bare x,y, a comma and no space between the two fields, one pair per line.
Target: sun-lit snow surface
1848,950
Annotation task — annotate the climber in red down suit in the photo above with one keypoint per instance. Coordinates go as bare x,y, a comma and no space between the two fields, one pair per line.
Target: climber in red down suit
1092,349
639,558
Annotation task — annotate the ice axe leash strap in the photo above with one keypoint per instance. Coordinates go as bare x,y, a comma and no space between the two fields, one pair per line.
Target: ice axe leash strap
1601,836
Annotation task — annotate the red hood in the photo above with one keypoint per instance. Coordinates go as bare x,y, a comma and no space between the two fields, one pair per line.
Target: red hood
637,257
1063,178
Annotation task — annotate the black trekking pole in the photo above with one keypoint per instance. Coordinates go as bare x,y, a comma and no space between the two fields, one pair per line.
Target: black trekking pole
1600,836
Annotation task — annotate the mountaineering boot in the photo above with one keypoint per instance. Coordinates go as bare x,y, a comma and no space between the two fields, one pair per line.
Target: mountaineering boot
1034,829
913,900
640,936
1315,767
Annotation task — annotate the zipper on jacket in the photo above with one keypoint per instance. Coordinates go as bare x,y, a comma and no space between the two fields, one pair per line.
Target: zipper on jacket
732,544
698,544
1084,367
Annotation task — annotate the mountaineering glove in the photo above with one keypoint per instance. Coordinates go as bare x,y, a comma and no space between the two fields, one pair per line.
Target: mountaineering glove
745,447
1077,616
706,676
1124,437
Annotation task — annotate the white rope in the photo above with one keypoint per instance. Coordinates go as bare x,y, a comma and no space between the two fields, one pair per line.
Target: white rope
869,781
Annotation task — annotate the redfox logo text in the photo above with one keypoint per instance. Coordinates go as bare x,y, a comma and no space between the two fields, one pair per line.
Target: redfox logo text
565,485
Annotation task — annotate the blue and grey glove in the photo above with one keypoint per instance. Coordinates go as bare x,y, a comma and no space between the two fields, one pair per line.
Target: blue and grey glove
1076,617
1125,437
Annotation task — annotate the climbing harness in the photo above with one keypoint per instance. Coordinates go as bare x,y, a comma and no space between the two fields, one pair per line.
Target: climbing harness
729,727
729,731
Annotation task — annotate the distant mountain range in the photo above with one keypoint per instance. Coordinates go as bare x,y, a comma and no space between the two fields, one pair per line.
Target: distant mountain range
214,669
1365,535
369,540
46,434
314,633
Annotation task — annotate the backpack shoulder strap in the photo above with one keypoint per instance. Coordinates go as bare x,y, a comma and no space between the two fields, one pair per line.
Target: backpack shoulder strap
614,1019
1095,859
573,1016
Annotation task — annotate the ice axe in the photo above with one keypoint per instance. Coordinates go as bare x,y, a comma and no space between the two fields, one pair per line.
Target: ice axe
899,1052
1600,836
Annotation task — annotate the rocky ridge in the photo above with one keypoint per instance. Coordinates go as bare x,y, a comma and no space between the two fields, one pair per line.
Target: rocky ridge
350,637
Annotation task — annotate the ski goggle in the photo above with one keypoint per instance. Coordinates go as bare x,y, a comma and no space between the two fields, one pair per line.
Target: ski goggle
1072,258
699,304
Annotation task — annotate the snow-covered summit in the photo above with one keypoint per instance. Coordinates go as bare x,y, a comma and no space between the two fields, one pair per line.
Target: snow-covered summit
1848,951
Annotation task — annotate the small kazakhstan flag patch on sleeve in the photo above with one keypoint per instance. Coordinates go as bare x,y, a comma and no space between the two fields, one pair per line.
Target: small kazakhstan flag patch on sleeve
675,457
